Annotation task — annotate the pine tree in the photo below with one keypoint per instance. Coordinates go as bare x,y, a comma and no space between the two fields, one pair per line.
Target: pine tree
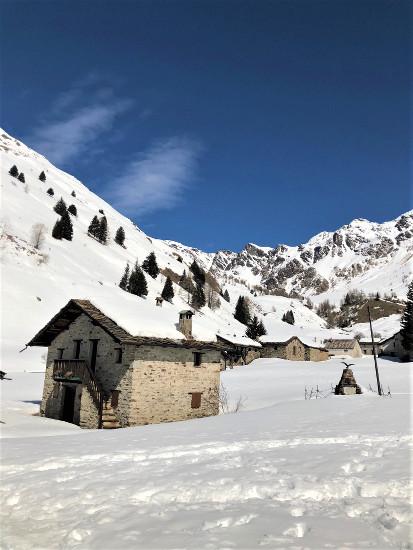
42,176
14,171
57,232
198,297
226,296
67,227
21,177
125,278
73,194
72,210
120,236
199,274
255,328
406,331
168,291
60,207
137,282
242,313
50,192
102,233
150,266
93,228
288,317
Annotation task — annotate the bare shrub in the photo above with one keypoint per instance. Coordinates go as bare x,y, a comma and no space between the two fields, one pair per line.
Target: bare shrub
224,401
38,234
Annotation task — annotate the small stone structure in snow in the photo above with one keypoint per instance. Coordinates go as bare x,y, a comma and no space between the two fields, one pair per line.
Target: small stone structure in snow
347,384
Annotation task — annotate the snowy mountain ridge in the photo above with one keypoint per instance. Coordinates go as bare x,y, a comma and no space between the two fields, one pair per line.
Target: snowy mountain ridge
37,282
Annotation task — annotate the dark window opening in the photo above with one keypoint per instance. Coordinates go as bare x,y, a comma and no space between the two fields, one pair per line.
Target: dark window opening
118,355
60,353
197,359
93,353
275,347
294,350
76,349
196,400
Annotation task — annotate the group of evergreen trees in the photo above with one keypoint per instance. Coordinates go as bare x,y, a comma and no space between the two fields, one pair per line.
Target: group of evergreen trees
14,171
135,281
99,229
288,317
255,327
198,295
63,228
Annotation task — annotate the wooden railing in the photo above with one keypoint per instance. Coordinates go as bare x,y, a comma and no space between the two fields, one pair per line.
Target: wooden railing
76,369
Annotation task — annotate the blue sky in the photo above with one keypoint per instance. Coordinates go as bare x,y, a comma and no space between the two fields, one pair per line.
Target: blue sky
216,124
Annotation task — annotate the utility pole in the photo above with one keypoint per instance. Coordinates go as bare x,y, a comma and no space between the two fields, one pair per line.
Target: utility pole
374,353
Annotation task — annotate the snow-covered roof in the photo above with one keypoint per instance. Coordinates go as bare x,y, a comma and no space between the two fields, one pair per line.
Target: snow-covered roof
340,344
239,340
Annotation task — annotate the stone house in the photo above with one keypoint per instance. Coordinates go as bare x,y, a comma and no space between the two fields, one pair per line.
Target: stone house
239,350
393,347
294,350
367,347
342,348
98,375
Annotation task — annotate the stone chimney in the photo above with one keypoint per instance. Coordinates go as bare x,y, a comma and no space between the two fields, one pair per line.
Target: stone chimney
185,323
159,301
347,384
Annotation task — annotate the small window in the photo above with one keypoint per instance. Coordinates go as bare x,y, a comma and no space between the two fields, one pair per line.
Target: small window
118,355
114,399
60,353
196,400
275,347
346,351
76,348
197,359
294,350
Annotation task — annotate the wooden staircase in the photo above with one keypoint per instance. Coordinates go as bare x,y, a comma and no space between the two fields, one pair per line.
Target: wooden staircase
109,420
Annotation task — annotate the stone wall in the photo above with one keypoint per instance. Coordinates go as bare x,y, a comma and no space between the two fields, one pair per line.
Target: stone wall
315,354
272,351
393,347
164,380
295,350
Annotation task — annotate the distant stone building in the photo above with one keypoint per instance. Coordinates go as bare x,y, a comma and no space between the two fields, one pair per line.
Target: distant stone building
393,347
294,350
240,350
367,347
342,348
99,375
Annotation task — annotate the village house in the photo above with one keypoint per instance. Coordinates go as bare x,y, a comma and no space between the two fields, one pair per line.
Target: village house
99,375
341,348
241,350
293,349
367,347
393,347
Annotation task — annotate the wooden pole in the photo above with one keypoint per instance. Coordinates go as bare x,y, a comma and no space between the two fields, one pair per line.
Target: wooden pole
374,353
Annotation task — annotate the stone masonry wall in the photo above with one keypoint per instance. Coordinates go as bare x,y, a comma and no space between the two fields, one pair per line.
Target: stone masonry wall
314,354
164,380
295,350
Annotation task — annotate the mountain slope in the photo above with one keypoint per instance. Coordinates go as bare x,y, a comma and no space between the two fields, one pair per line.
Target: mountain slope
38,282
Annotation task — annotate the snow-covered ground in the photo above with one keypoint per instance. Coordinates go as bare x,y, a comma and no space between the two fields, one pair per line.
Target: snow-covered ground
283,473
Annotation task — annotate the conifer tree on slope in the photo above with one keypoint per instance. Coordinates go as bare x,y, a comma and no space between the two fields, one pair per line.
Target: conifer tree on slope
198,297
60,207
57,232
21,177
199,273
168,291
102,233
50,192
14,171
93,228
255,328
120,236
406,323
72,210
226,296
242,312
42,176
137,282
67,227
125,278
150,265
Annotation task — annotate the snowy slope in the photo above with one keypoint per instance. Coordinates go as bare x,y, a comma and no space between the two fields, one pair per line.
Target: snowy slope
37,283
283,473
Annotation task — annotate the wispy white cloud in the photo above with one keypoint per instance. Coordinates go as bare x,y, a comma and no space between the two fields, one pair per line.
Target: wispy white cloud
157,179
88,112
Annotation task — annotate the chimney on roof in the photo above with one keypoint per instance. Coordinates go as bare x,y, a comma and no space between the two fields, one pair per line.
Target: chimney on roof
159,301
185,323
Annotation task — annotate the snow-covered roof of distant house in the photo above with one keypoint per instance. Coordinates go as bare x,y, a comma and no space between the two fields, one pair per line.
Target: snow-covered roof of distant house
340,344
74,308
285,342
389,338
239,340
